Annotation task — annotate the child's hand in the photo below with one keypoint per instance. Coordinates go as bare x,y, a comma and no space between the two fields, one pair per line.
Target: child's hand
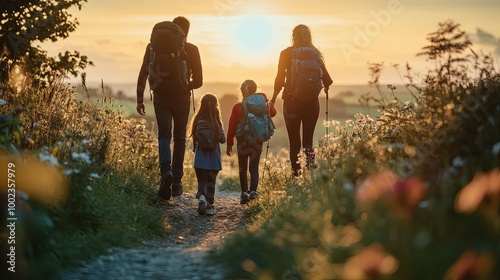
229,150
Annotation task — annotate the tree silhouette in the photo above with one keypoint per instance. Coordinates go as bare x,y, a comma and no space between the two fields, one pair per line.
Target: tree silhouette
25,22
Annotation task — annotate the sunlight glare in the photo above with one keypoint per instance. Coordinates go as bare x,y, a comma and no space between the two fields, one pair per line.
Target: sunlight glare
255,33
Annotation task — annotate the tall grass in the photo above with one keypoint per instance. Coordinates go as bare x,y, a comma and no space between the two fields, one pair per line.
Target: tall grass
411,194
107,172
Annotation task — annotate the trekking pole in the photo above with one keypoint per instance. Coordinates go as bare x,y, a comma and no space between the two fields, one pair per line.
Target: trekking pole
327,105
265,160
192,95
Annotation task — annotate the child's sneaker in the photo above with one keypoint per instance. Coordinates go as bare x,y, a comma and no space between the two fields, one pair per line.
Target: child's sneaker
202,205
244,198
253,195
210,210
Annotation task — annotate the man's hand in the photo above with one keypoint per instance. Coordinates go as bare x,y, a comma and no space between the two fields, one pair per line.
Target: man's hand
141,109
326,89
229,150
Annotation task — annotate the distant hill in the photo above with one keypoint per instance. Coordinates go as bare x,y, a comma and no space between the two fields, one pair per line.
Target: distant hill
347,93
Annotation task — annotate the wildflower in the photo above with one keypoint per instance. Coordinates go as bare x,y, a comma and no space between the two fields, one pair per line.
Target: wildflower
424,204
69,172
2,102
81,156
348,186
89,188
372,262
400,193
48,158
482,186
458,162
40,180
85,142
408,105
375,186
408,192
94,175
471,265
496,149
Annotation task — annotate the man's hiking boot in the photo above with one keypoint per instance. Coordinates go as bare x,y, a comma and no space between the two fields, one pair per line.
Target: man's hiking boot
202,205
244,198
166,181
210,210
253,195
177,189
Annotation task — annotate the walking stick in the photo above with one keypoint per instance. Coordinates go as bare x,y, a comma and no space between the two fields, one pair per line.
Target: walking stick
327,105
265,160
192,95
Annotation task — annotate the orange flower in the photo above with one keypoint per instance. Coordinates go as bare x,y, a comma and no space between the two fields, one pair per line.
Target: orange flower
375,186
484,185
371,262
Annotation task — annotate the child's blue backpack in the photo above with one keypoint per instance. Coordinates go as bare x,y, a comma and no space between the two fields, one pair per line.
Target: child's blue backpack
255,124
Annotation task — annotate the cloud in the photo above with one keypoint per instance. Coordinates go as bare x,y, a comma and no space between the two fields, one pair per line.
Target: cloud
103,42
485,38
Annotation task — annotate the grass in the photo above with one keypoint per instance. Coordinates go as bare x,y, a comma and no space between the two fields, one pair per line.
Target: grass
101,171
382,205
391,197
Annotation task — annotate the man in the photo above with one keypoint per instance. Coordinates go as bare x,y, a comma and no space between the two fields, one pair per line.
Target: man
171,104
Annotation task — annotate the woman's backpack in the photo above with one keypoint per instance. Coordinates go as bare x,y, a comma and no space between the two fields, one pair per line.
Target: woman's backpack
306,73
255,124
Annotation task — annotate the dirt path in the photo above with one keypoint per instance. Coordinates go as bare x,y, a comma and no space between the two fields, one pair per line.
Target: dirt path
179,255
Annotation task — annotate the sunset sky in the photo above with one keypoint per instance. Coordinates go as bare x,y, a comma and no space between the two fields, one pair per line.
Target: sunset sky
241,39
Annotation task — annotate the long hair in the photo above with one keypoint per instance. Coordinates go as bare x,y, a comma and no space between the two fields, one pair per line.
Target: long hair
301,37
209,110
248,87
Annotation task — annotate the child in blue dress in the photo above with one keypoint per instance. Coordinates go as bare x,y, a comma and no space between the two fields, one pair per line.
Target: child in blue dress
207,160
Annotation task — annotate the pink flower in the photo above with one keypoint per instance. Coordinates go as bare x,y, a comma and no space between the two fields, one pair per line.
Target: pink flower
400,193
408,192
471,265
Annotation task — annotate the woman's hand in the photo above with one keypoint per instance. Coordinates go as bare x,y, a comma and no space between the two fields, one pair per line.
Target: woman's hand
229,150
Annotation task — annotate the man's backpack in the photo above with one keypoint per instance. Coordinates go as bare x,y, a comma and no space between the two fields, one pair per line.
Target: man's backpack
306,74
255,124
167,58
206,136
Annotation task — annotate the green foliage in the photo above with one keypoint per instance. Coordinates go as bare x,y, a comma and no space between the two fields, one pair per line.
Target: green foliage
26,22
110,166
410,194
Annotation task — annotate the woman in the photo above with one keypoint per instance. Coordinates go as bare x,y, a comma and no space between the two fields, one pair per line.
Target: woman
297,110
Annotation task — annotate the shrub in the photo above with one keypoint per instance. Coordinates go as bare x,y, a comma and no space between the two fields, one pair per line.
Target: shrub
411,194
99,168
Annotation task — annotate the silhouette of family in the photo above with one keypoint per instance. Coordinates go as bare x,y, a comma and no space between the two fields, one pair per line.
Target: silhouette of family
173,68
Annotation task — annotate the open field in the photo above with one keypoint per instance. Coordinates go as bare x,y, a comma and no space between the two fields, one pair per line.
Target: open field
343,104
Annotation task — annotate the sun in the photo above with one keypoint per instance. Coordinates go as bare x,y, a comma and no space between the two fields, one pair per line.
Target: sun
254,33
